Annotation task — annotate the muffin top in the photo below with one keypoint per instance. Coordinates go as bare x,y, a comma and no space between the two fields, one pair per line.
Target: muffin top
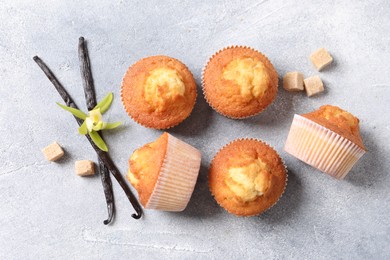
239,82
338,121
158,92
144,167
247,177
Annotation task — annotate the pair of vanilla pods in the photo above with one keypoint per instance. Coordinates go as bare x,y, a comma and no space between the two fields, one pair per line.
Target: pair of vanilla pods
106,165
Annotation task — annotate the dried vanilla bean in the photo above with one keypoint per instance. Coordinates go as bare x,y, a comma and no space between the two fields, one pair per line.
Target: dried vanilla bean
90,98
102,155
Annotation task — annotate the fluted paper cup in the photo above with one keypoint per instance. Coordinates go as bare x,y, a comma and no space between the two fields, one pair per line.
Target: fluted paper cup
322,148
177,179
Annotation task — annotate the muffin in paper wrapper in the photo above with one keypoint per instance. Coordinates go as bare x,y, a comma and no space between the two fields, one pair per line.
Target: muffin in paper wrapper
134,104
177,179
264,59
281,161
322,148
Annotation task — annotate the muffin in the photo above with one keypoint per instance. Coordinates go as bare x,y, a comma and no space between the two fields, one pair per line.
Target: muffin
239,82
164,173
327,139
158,92
247,177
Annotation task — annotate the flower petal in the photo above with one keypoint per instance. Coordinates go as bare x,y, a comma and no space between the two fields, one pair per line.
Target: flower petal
105,103
89,123
83,130
98,141
95,115
77,113
111,125
98,126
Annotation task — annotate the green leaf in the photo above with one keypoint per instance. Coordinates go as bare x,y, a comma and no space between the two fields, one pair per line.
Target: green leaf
98,141
83,130
105,104
111,125
74,111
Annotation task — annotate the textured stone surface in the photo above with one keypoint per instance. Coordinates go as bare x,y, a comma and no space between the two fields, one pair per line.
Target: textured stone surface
49,212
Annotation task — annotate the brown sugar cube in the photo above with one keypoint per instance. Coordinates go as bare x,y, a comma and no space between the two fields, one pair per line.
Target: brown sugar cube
53,152
313,85
293,81
85,168
321,58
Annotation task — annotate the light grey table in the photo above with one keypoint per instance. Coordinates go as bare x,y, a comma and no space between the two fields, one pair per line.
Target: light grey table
46,211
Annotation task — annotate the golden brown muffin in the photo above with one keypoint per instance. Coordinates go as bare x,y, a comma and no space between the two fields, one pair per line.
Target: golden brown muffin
164,173
239,82
247,177
339,121
327,139
158,92
145,164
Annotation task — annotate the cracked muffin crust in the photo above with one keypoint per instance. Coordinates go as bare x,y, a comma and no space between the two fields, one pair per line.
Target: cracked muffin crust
158,92
239,82
247,177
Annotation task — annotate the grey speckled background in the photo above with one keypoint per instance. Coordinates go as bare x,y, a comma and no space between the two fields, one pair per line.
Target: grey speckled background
48,212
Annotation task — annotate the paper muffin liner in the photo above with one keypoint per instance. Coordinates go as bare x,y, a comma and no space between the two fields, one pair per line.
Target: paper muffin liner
281,159
177,179
134,119
322,148
203,83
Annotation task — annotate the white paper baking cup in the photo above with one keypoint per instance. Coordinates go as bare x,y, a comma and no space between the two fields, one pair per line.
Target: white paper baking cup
177,179
322,148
